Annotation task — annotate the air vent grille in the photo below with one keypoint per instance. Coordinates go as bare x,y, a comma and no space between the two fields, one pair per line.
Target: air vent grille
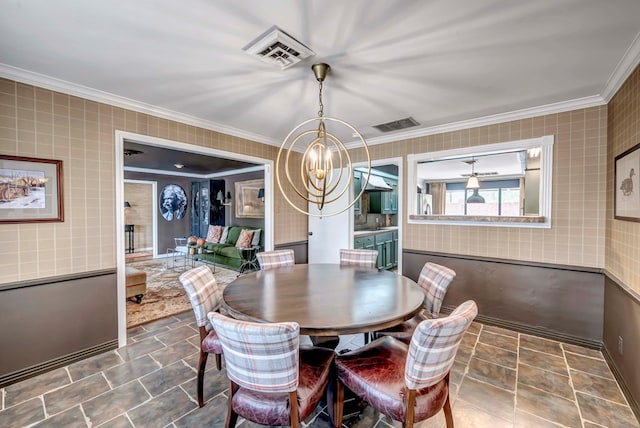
396,125
276,47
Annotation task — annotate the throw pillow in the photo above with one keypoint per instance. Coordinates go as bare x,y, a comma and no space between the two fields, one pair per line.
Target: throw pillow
244,240
256,238
225,233
214,234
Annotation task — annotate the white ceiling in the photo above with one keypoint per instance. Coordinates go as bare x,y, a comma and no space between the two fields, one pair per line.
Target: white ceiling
439,61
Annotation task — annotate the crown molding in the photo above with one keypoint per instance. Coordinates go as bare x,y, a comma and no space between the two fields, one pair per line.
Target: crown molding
58,85
527,113
623,70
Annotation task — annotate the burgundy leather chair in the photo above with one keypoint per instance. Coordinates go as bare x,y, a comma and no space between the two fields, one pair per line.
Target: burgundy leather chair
408,383
272,381
205,296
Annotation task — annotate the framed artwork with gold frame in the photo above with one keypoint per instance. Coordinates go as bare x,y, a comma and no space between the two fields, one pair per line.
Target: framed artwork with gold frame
30,190
248,204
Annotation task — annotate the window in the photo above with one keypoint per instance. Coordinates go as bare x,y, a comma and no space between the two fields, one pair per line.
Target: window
513,189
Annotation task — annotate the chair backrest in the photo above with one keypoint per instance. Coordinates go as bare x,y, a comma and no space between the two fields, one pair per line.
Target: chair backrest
275,259
434,280
203,292
259,356
359,257
434,345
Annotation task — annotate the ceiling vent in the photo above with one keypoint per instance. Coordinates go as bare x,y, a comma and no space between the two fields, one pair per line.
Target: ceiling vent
277,47
396,125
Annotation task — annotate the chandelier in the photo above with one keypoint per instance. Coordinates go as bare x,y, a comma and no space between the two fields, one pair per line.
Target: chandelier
326,169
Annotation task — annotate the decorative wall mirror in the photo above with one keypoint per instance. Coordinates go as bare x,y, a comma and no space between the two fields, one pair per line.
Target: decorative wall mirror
505,184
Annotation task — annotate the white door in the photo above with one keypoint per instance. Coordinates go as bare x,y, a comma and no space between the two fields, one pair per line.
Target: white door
327,235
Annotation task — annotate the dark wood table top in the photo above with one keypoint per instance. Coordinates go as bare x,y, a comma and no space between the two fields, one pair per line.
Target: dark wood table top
325,299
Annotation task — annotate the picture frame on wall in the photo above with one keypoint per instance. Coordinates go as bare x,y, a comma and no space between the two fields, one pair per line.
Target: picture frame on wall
627,188
31,190
248,204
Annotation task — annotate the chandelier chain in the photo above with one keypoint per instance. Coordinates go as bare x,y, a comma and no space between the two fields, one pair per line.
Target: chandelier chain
321,111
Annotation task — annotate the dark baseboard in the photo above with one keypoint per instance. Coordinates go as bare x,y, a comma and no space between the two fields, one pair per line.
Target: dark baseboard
623,385
532,330
65,360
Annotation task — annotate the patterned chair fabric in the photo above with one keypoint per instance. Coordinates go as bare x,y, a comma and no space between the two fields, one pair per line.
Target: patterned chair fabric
434,280
275,259
434,345
273,381
408,383
203,292
205,296
362,258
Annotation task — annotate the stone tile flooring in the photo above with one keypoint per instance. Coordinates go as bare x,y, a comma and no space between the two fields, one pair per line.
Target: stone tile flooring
500,379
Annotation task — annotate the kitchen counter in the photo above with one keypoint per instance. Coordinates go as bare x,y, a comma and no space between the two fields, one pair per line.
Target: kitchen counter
369,232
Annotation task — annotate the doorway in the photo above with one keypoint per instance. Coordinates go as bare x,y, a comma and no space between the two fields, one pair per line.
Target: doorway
121,136
328,235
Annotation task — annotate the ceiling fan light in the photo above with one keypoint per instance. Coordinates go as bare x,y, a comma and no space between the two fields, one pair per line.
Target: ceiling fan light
473,182
475,198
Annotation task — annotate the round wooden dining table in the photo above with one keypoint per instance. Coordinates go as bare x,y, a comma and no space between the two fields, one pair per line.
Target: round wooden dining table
325,299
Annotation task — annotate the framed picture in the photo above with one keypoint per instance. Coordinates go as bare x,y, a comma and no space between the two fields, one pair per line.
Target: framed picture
30,190
627,190
248,204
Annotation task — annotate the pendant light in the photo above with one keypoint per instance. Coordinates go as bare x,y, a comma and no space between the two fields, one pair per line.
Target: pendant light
473,183
322,154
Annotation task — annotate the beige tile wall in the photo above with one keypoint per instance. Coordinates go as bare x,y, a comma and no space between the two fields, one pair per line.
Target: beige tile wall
579,192
140,196
37,122
623,237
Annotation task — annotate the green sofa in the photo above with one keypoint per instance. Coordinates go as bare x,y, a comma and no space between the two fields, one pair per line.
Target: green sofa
227,254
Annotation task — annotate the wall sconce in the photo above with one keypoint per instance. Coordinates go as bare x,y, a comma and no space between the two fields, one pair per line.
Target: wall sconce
223,201
261,194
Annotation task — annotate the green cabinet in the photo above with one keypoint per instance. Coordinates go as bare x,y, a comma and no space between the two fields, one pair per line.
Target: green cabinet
384,245
357,187
366,242
387,245
385,202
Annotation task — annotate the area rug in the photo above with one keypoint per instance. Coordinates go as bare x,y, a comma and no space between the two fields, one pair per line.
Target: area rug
165,295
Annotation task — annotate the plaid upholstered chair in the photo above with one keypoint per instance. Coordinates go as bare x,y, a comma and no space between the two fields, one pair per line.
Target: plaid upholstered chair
408,383
205,296
434,280
272,381
275,259
361,258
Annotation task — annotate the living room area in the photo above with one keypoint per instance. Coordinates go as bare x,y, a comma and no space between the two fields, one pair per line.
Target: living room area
182,210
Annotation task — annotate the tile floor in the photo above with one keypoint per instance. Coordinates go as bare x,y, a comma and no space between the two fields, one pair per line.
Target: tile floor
500,379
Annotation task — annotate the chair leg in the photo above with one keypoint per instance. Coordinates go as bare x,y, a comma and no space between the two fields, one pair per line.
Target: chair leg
232,417
218,361
201,366
294,415
447,404
339,404
410,408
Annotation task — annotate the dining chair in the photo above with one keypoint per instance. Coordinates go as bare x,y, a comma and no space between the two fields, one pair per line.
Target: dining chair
275,259
434,280
360,257
205,296
272,381
408,383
